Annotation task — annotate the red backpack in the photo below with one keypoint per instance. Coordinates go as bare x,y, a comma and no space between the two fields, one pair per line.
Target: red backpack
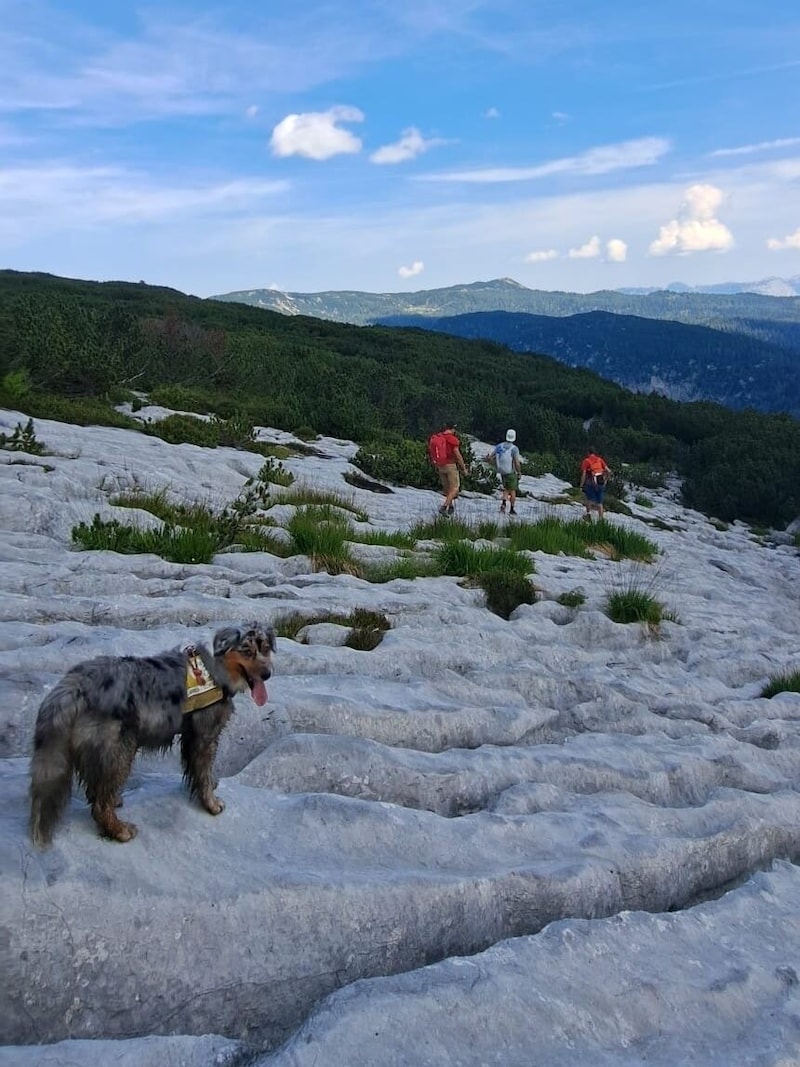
437,449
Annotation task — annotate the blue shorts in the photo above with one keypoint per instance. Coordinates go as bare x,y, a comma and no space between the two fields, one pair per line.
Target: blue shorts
594,493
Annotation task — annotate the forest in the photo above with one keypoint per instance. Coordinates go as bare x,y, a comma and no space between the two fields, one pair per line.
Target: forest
72,350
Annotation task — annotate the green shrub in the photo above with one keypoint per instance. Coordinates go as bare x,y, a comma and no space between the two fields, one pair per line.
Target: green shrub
186,430
573,599
643,501
782,683
399,460
505,591
80,411
23,439
644,476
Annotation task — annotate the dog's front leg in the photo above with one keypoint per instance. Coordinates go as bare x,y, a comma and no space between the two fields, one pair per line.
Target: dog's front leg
199,739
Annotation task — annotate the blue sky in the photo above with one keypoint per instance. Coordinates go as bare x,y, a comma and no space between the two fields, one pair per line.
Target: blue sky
391,146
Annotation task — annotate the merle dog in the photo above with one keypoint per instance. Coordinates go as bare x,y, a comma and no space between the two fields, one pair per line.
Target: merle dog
102,711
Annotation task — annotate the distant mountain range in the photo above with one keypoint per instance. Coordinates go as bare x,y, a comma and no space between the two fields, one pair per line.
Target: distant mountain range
683,362
504,294
766,287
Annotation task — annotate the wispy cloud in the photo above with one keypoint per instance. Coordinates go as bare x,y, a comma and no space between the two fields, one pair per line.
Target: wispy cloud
729,75
409,146
601,160
696,229
779,244
59,197
541,256
491,113
317,134
762,146
417,267
591,250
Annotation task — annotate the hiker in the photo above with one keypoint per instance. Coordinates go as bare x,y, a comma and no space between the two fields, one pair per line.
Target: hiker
444,451
506,460
595,473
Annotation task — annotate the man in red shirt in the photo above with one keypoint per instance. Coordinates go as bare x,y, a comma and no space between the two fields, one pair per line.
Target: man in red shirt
448,464
595,473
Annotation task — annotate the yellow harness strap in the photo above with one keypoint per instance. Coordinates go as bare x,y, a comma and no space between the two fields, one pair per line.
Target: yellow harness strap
201,689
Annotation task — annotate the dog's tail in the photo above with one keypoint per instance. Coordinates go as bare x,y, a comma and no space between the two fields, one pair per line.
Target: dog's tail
51,763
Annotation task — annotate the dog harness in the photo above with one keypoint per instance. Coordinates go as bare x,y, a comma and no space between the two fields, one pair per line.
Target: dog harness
201,689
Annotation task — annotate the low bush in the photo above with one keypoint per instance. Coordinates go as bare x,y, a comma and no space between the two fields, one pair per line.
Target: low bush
572,599
505,591
782,683
643,501
22,439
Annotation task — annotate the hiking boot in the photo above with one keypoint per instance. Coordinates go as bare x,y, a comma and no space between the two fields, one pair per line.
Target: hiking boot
451,509
512,511
443,510
503,506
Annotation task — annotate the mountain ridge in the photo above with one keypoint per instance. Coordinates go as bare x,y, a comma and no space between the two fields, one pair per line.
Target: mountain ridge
505,294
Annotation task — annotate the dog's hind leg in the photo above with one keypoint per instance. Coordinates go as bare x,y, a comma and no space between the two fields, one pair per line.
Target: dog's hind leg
104,769
199,739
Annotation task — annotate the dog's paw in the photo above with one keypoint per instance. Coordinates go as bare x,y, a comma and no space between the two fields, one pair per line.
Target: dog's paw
124,832
214,806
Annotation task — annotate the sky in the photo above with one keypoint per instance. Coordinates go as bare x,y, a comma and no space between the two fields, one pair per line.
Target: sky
388,147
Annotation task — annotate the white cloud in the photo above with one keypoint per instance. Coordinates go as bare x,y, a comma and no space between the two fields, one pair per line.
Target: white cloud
252,111
591,250
601,160
491,113
560,116
762,146
541,257
616,250
792,240
696,229
410,145
316,134
417,267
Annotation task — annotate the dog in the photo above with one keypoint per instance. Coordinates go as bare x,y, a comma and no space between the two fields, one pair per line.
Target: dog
96,718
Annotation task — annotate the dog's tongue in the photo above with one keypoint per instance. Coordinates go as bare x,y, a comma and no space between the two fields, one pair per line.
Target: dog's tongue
259,693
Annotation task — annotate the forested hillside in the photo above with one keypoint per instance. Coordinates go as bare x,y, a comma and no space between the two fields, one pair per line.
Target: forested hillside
683,362
71,349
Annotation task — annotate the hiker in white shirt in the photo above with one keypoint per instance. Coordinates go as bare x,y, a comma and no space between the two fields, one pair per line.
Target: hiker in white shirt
506,459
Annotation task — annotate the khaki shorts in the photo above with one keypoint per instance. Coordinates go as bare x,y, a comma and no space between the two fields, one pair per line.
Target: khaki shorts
448,476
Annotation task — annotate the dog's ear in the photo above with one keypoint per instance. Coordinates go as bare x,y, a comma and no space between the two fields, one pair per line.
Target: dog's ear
226,639
261,632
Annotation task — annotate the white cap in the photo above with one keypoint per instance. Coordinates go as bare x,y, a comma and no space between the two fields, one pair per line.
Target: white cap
511,435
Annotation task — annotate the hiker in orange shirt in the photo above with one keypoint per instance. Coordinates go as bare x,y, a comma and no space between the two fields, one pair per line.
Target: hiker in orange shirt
595,473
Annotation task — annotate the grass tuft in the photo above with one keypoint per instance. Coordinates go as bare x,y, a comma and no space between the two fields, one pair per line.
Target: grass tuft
782,683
